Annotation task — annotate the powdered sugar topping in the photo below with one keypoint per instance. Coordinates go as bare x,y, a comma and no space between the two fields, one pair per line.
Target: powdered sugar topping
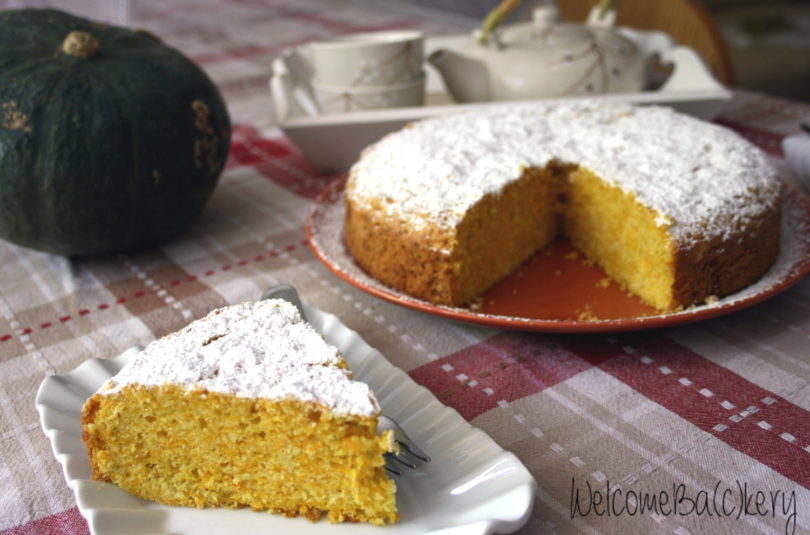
688,171
257,349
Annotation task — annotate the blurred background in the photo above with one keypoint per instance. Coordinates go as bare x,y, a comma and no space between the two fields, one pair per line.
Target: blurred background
762,45
766,43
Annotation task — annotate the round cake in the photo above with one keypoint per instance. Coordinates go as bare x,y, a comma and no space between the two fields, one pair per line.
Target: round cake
677,210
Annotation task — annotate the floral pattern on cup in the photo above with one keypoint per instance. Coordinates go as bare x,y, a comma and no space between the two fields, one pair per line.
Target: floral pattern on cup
332,99
370,59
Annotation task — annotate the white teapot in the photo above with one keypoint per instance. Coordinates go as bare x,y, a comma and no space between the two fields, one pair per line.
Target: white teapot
544,58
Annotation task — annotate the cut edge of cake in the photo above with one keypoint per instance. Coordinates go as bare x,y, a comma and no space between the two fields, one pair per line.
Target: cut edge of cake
707,197
664,272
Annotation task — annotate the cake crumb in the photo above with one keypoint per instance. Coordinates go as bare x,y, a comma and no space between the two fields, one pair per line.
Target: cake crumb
603,283
586,315
587,261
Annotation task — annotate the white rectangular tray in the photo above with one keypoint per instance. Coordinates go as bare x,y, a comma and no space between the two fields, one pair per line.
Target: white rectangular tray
333,141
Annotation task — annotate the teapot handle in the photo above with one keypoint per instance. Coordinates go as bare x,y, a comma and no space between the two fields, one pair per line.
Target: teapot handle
603,14
495,18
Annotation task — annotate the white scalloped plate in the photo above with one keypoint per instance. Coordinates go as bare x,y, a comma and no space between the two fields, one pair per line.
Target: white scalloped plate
471,486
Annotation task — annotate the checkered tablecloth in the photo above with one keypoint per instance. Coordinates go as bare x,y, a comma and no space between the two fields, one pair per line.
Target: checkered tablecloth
712,410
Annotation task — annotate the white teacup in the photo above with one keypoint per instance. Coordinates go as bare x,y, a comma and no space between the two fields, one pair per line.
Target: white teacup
369,59
332,99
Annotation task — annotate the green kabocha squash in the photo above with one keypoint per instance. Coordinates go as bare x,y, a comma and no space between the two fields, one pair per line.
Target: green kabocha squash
109,139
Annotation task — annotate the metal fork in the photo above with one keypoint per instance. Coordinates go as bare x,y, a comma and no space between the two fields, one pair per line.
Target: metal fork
407,455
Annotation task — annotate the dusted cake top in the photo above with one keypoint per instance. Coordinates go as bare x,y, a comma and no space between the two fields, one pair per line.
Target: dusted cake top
262,349
699,177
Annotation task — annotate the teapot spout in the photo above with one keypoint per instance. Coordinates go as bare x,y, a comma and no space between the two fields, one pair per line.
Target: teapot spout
466,78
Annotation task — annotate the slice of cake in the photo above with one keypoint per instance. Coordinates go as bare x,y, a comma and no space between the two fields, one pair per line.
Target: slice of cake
247,407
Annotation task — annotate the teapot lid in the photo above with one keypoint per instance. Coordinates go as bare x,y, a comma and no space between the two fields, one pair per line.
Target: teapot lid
545,31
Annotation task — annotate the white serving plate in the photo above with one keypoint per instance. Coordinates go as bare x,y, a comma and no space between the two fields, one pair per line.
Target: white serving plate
471,485
333,141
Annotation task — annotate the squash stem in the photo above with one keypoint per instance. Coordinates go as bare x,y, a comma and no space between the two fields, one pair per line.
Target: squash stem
82,44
